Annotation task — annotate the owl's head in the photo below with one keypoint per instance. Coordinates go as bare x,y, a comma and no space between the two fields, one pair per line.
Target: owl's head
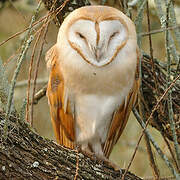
97,33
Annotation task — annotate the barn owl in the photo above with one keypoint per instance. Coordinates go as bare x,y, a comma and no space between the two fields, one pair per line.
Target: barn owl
93,80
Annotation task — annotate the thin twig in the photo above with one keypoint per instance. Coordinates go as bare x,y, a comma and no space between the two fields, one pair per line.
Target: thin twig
24,83
17,10
39,32
29,77
173,21
40,94
25,47
138,21
36,71
31,64
39,55
149,150
170,108
160,152
151,158
159,30
13,82
170,150
20,32
162,17
34,24
147,122
151,49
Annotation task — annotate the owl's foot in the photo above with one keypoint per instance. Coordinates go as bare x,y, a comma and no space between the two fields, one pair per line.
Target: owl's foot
109,162
101,159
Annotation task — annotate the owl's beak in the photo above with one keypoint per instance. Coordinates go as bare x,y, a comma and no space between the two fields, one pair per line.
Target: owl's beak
98,53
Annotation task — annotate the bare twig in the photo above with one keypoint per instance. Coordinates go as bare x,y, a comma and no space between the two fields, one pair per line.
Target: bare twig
149,150
34,24
31,64
170,108
20,32
170,150
160,118
151,159
147,122
162,17
24,83
160,152
159,30
13,82
36,72
39,55
40,94
151,49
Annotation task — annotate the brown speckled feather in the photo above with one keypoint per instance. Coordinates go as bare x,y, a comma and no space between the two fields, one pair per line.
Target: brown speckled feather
61,116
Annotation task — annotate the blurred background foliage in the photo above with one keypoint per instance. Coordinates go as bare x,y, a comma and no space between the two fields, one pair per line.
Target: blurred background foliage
16,16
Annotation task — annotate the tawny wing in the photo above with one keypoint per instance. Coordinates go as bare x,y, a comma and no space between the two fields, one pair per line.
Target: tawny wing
61,116
121,115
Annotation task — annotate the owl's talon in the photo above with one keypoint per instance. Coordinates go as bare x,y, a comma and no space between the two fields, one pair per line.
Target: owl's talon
109,163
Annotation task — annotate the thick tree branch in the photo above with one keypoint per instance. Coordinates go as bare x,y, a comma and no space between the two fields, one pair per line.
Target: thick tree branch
26,155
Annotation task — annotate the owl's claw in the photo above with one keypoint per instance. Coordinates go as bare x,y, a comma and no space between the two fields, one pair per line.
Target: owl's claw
109,163
101,159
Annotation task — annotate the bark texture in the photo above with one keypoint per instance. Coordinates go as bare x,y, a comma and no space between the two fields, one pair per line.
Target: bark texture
26,155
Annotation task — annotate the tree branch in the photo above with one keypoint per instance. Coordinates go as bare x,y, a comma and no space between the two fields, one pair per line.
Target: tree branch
26,155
